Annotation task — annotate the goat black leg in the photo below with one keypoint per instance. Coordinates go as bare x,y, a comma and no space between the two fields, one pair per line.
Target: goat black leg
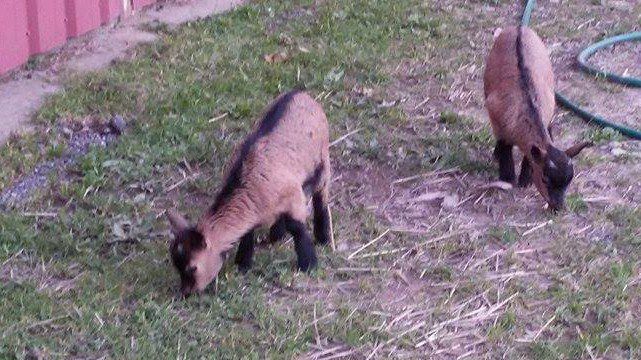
245,252
503,153
277,231
302,243
321,218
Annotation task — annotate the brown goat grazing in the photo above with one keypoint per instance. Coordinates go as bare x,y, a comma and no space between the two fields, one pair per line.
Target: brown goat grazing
278,166
519,96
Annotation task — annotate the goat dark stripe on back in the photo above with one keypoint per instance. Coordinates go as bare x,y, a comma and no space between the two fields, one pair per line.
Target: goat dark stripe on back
527,85
275,113
267,124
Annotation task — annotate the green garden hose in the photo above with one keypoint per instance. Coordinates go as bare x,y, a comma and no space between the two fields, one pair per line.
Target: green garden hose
583,65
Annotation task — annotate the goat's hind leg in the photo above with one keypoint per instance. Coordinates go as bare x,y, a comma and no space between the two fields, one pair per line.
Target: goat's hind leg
322,217
302,243
277,231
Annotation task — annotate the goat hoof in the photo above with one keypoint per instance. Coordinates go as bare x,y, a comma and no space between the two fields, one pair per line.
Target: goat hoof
307,264
244,268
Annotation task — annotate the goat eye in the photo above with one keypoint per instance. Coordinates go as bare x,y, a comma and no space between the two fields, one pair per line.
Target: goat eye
192,270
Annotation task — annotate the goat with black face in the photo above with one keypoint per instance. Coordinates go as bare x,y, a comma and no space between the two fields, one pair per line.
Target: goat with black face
519,97
275,169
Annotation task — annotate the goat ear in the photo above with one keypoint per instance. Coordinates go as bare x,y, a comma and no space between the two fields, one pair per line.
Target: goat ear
575,149
178,222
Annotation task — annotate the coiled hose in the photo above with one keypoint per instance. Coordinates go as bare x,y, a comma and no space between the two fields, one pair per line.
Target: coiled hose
582,59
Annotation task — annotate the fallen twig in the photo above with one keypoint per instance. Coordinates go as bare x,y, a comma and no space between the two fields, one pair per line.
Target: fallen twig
313,323
466,354
599,199
468,316
43,214
316,333
422,103
368,244
339,355
378,346
344,137
218,118
12,257
541,225
182,181
371,269
509,275
331,228
323,352
379,253
538,333
439,238
501,185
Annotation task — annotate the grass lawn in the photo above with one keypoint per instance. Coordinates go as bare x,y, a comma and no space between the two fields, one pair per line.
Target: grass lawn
456,269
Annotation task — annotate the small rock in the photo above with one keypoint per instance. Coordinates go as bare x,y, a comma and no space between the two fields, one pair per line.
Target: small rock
387,104
276,57
139,198
450,201
117,124
430,196
620,5
619,152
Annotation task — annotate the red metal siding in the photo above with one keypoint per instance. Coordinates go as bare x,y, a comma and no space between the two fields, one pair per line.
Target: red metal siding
138,4
109,10
82,16
46,20
28,27
14,45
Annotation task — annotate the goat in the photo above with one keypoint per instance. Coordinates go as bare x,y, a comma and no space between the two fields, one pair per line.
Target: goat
519,97
281,163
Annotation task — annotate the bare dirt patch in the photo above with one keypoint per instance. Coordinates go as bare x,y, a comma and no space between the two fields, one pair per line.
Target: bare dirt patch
623,59
174,15
82,135
18,100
